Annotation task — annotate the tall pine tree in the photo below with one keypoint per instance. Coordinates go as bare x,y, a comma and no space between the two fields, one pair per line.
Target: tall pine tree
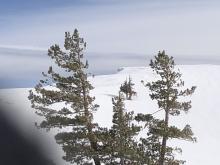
167,91
81,144
123,145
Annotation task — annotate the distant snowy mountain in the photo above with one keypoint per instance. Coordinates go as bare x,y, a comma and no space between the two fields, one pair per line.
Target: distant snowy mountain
203,117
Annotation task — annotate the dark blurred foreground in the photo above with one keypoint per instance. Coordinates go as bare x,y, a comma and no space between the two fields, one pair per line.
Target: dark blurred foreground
15,148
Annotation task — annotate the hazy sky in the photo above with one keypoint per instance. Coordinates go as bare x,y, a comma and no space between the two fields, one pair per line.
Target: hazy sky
118,33
182,27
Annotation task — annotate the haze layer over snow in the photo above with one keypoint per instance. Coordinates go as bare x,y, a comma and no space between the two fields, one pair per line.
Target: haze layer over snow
203,116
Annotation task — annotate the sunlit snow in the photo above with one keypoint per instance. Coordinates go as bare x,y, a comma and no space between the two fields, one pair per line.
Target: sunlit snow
203,116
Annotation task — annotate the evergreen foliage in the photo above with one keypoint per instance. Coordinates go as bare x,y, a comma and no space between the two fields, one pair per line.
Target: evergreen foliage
124,149
167,91
127,88
83,141
81,144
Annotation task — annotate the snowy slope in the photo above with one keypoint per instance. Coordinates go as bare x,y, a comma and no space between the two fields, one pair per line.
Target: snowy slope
204,116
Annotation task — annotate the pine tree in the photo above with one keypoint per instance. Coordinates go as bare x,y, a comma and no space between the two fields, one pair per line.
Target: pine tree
81,145
123,146
127,88
167,91
149,146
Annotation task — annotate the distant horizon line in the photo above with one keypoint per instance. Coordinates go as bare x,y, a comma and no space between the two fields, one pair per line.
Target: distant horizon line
26,48
29,86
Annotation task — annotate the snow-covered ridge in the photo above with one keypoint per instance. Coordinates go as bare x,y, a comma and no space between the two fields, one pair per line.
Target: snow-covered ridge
203,117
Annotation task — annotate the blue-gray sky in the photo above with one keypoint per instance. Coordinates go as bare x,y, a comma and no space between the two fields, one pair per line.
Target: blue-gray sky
124,31
143,26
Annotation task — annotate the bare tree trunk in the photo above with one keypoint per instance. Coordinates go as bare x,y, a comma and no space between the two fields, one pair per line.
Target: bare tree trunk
164,141
122,161
89,125
129,97
92,140
97,160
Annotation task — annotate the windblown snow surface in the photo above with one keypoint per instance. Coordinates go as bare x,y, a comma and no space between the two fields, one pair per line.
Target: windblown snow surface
204,116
